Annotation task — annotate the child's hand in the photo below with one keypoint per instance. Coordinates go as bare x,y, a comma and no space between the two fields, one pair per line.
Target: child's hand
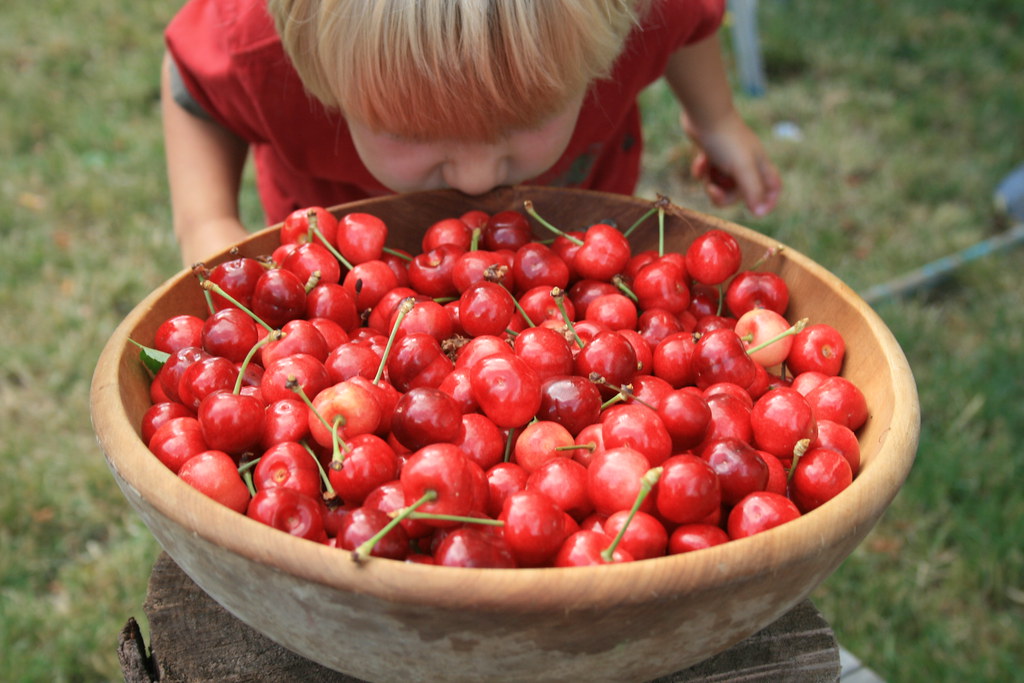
733,165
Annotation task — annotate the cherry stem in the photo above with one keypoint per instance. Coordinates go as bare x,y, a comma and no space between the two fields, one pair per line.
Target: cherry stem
329,492
559,297
486,521
590,446
217,289
395,252
274,335
769,253
519,307
245,471
404,307
474,239
796,328
639,221
313,281
799,449
510,441
528,205
314,227
661,230
647,483
621,284
339,420
199,270
363,550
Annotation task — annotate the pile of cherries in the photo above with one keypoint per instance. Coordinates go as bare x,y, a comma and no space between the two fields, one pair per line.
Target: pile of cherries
498,400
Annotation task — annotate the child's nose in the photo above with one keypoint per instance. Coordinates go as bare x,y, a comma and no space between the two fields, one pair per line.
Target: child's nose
476,172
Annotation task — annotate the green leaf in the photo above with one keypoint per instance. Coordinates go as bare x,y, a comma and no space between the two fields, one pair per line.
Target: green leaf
153,359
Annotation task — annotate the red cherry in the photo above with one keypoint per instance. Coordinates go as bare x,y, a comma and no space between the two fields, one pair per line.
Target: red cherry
720,356
638,427
713,257
570,400
290,465
760,511
503,479
564,481
447,231
686,538
425,317
662,284
539,305
431,272
764,328
333,302
177,440
506,230
819,476
157,414
204,377
307,371
313,259
215,474
442,469
289,511
480,440
818,348
231,422
645,537
178,332
757,289
474,547
417,360
299,336
603,255
615,311
534,527
780,419
349,405
686,415
364,523
368,462
585,547
368,282
298,225
740,469
351,359
536,265
688,490
237,278
614,479
485,308
840,400
361,237
473,266
545,350
507,389
608,355
169,376
673,359
279,296
424,415
840,438
541,441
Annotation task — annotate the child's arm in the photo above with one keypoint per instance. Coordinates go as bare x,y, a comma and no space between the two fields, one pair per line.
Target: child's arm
697,76
204,169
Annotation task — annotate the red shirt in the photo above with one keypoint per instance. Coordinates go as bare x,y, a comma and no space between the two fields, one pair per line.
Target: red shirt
234,67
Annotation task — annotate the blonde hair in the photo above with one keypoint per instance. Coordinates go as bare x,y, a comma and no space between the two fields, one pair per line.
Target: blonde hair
469,70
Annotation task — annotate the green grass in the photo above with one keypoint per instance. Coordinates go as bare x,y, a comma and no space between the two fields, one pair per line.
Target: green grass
910,112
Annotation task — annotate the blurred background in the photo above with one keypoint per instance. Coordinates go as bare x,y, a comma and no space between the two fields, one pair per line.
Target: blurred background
893,122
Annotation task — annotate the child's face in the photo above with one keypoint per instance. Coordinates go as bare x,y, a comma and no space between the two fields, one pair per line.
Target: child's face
404,166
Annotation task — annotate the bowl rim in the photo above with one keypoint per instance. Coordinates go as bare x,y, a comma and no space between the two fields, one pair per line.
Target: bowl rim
564,588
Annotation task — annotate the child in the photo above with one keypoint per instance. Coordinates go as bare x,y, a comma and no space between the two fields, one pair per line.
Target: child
339,100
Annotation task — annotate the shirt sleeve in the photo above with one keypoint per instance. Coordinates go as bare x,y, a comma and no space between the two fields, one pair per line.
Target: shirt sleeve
209,42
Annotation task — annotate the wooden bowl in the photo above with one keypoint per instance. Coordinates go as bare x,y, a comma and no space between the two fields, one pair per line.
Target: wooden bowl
387,620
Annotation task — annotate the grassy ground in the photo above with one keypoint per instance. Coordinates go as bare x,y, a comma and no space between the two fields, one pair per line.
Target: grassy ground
910,114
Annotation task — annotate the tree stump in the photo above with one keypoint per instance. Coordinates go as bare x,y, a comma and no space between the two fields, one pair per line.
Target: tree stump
194,639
